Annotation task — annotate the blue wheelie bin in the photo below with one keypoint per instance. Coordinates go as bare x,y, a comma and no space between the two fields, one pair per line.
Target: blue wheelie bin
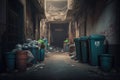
10,61
96,44
78,49
84,49
41,54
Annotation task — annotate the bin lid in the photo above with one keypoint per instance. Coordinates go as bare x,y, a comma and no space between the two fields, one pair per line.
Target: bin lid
97,36
76,39
106,55
84,38
9,53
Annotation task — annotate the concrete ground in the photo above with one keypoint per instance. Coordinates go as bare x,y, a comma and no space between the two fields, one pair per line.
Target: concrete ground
59,66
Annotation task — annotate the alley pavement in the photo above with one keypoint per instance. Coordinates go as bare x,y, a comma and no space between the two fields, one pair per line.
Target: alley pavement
60,66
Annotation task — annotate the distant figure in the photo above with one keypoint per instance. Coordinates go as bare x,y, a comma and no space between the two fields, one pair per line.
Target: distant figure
45,43
66,40
41,40
42,46
66,45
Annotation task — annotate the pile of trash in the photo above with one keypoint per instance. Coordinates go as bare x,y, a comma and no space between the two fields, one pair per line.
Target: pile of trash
31,43
25,55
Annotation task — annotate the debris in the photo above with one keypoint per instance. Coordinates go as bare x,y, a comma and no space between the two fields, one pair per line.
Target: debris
48,52
72,65
62,50
36,66
57,51
28,69
73,57
42,64
41,67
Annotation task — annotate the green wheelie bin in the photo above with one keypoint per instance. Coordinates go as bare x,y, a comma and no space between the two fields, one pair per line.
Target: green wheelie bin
106,62
96,44
78,49
84,49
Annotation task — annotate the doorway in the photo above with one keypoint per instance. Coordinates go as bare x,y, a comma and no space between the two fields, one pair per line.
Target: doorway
59,31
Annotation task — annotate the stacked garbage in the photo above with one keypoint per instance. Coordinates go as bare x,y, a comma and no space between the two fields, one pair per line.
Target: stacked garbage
25,55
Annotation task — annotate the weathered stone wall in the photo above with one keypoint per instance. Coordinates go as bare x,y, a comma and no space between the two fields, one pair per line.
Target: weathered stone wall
104,19
3,24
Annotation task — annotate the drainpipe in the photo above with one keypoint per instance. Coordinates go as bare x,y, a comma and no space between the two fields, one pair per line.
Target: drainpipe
49,33
25,20
69,31
85,23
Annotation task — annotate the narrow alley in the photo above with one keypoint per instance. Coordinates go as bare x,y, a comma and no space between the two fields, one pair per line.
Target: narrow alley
59,40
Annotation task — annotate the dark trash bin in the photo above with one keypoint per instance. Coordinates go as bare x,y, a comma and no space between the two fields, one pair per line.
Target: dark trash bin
34,51
106,62
10,61
96,44
78,49
41,54
84,49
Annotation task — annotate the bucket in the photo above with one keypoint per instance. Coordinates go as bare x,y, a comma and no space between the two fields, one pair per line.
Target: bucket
21,60
105,62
